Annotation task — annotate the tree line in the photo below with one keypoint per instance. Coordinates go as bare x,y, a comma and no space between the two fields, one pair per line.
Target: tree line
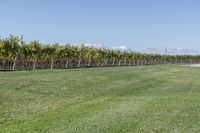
15,54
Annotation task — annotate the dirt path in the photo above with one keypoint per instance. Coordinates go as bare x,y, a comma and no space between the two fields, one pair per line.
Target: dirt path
192,65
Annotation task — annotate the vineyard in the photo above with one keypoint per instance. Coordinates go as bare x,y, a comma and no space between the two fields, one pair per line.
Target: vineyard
15,54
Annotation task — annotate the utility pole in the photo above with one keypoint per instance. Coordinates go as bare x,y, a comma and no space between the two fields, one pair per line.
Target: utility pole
165,50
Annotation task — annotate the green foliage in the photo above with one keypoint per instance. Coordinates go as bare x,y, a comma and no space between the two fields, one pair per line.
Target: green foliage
9,47
13,47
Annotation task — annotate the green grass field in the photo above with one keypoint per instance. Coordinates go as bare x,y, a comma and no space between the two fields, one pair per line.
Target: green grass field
160,98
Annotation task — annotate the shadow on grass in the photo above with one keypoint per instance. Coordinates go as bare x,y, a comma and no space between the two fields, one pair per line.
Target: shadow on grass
2,70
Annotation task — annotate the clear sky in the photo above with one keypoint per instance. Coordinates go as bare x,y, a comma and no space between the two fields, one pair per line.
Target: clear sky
137,24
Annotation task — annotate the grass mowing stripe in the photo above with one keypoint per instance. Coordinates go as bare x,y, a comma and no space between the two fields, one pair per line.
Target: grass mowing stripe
159,98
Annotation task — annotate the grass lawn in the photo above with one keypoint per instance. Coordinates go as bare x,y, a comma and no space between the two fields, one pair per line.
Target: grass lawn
159,98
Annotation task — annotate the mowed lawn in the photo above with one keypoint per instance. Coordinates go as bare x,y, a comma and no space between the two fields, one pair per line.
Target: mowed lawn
158,98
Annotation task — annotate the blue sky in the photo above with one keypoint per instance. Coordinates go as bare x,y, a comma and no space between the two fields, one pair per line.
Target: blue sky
137,24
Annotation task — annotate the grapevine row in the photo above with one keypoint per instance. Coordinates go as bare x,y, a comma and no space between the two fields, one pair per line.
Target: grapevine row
15,54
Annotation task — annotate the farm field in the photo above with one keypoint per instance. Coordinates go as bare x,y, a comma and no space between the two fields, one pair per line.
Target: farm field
154,98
